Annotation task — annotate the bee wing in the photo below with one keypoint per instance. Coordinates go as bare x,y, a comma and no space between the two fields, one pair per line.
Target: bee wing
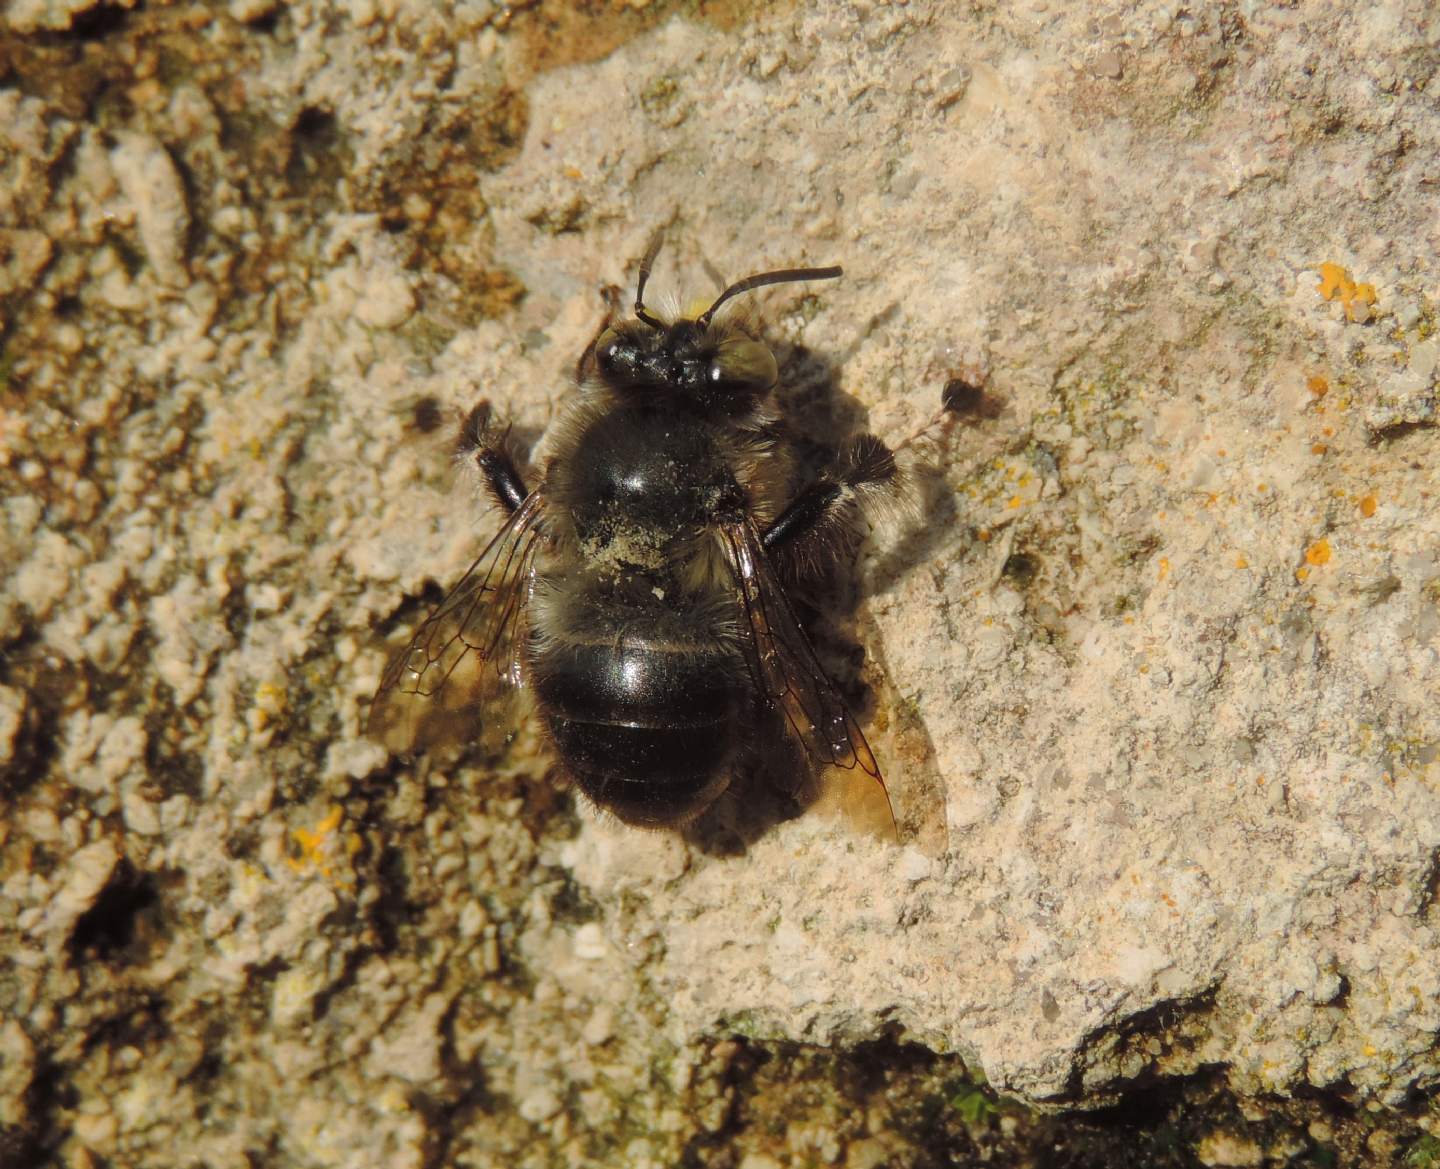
465,651
788,674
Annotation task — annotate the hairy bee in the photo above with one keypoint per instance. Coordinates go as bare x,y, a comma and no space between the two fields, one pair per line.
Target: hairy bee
635,588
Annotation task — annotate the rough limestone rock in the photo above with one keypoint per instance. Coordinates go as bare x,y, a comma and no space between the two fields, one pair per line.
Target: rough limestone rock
1153,670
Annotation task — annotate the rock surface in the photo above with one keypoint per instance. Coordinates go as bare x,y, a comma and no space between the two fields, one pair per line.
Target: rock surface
1169,636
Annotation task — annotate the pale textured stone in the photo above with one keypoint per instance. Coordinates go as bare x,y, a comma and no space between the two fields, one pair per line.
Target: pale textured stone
1168,635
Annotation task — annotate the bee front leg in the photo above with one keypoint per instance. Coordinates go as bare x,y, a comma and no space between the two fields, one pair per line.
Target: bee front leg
488,445
585,367
825,519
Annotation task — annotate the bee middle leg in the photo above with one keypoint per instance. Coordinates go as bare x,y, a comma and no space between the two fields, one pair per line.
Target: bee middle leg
488,444
824,520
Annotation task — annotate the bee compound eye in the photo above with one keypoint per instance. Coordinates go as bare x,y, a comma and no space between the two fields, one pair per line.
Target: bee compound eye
743,364
607,349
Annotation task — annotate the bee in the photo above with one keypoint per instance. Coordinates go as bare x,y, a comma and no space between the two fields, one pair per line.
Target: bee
635,588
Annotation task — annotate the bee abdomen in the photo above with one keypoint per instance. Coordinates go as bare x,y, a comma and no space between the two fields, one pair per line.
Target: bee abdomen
647,730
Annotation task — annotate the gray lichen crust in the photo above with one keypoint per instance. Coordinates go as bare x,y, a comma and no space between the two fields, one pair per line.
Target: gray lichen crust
1169,633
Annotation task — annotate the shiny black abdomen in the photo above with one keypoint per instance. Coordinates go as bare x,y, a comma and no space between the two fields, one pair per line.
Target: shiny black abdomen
633,657
649,725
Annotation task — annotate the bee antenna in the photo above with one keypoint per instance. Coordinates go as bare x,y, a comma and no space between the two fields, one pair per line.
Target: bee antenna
652,249
783,276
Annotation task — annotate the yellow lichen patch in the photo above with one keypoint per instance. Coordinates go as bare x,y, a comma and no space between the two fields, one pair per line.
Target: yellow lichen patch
1318,448
1317,385
270,702
1164,568
1319,552
1335,283
314,843
1241,562
1368,504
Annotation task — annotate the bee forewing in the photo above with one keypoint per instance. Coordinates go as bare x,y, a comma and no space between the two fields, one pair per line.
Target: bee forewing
448,681
846,777
856,800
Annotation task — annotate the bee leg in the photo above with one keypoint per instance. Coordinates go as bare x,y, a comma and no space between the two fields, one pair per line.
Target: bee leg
825,517
488,444
585,367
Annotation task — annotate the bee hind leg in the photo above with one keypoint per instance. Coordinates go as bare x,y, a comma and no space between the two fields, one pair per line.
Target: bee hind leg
487,444
825,519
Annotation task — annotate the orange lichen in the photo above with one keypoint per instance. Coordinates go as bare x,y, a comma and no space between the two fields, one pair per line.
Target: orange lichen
1317,385
1319,552
1332,278
313,843
1164,567
1318,448
1241,562
1335,282
1367,504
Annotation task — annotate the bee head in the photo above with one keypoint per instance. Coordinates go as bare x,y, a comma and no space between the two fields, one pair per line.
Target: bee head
718,366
